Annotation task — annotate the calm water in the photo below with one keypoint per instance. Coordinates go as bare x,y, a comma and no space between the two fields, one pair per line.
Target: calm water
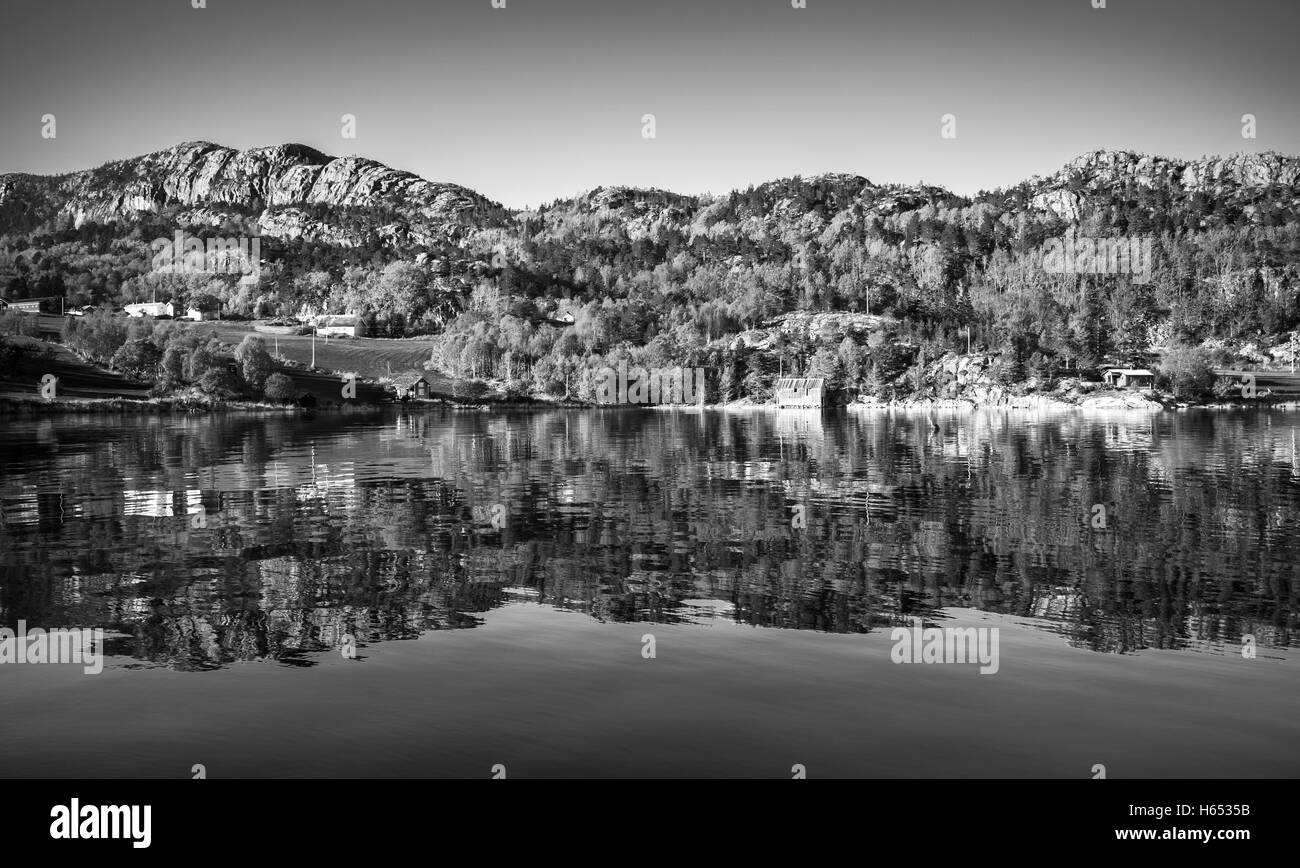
500,572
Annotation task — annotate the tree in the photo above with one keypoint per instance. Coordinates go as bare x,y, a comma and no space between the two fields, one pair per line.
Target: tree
851,359
171,370
400,295
137,359
1189,372
205,301
201,359
254,361
827,363
96,336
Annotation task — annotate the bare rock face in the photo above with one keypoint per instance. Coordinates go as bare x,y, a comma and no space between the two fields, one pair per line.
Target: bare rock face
1102,173
294,223
294,191
1063,203
1255,170
205,176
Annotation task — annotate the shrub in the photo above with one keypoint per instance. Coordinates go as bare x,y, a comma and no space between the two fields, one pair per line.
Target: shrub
219,383
279,388
15,322
471,389
11,354
517,389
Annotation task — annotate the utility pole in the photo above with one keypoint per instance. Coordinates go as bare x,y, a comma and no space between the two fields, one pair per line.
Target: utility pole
313,346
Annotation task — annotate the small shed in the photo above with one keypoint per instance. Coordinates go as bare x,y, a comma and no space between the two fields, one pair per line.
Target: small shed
412,384
800,391
1129,378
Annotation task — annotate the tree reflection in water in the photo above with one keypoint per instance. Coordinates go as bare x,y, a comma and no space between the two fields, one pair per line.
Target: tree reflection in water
211,540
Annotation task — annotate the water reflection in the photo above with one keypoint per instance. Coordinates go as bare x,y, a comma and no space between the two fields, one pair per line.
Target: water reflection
204,541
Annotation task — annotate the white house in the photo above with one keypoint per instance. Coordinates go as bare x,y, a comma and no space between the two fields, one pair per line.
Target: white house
150,308
349,325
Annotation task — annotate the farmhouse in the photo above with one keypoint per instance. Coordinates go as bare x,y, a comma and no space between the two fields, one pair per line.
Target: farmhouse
150,308
800,391
1129,378
411,384
34,305
349,325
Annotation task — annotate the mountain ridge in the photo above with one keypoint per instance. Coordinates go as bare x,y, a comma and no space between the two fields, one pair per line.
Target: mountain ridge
203,173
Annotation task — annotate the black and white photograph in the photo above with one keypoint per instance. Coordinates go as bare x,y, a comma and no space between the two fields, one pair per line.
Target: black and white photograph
650,390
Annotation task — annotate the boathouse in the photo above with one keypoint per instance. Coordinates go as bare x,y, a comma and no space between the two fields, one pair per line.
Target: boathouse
800,391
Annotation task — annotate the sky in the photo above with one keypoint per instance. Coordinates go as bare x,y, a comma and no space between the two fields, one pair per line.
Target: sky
544,99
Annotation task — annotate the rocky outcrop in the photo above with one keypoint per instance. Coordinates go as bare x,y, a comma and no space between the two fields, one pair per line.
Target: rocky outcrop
1103,173
957,381
282,186
205,176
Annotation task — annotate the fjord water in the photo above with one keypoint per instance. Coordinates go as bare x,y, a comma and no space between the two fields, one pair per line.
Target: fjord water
503,574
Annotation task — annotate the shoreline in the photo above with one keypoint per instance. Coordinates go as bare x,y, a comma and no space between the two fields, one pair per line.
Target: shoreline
16,407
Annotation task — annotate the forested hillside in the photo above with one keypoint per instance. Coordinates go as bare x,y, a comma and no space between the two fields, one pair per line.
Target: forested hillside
535,300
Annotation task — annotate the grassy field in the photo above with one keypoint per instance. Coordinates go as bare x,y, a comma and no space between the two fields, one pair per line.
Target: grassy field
370,358
77,379
80,380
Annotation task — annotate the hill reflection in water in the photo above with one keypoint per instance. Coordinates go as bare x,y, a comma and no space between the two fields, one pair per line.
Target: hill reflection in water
203,541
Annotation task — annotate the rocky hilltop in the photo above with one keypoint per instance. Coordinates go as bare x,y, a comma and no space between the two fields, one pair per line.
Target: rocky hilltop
1102,174
273,183
295,191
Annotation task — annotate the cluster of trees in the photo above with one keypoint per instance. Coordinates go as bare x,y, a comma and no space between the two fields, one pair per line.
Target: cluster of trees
174,357
111,265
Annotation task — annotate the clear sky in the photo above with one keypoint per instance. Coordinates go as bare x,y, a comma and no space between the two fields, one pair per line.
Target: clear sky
544,98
